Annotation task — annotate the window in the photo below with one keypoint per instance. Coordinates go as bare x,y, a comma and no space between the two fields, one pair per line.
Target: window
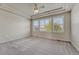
58,23
35,25
45,25
48,25
42,25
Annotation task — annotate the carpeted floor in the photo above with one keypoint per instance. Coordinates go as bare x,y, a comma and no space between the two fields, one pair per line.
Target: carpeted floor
37,46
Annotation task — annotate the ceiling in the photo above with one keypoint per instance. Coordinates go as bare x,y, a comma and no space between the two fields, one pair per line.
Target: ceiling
26,9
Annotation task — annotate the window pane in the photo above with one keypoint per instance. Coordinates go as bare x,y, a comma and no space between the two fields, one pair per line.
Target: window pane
58,23
48,25
42,22
45,25
42,25
35,25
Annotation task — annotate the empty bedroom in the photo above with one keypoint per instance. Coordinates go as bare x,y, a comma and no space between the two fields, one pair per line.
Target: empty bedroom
39,29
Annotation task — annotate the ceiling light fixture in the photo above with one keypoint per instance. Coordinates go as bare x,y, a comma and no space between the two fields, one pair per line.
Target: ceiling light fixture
35,9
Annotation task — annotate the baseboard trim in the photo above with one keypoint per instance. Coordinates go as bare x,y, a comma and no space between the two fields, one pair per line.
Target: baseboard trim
14,40
75,46
51,39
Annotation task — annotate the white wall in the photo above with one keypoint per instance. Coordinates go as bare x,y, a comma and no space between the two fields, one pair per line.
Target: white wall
75,26
13,27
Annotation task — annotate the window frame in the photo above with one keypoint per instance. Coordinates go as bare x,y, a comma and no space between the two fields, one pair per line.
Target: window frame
63,24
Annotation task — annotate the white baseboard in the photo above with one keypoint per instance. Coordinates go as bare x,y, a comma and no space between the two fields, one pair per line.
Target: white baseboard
12,38
75,45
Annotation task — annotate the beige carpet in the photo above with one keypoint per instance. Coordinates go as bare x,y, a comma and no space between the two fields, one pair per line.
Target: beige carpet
37,46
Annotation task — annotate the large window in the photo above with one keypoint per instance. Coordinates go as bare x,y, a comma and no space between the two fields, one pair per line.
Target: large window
46,24
58,24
